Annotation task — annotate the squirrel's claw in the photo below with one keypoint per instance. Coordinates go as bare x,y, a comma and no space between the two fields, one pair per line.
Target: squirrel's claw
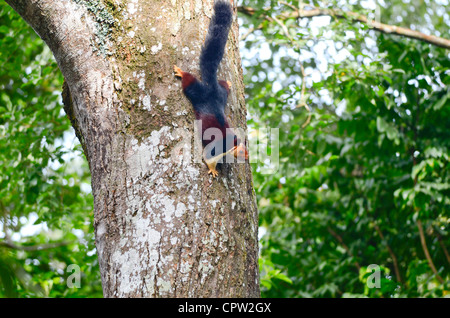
213,172
211,163
178,71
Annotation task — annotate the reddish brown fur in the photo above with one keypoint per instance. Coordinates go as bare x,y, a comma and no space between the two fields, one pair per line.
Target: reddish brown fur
210,121
187,79
225,85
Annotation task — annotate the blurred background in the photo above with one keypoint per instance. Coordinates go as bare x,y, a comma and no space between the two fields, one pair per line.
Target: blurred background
363,177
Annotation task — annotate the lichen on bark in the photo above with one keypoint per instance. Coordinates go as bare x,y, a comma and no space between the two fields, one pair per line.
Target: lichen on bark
104,21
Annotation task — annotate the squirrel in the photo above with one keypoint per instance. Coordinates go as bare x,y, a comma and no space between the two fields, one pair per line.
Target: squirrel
209,96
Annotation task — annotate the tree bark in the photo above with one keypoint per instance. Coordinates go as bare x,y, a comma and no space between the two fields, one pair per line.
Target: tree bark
164,227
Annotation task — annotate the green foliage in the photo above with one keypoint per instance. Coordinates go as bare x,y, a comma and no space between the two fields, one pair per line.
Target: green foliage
372,161
364,156
269,274
45,216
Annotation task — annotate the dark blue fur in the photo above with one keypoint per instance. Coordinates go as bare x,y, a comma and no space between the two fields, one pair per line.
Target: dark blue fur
216,39
207,96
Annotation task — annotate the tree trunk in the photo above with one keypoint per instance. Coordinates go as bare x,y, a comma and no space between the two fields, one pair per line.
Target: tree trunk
164,227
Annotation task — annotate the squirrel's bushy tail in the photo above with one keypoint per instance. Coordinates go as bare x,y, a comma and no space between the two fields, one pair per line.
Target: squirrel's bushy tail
216,39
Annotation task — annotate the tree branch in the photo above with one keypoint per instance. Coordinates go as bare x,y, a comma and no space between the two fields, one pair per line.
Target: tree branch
441,242
391,252
341,241
426,252
353,16
31,248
